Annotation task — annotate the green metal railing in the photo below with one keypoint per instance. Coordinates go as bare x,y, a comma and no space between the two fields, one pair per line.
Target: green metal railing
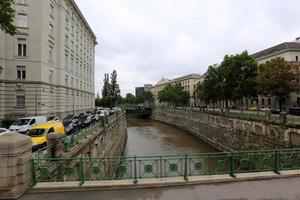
136,168
71,140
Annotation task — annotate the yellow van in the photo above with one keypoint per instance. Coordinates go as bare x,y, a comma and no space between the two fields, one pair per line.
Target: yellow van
39,133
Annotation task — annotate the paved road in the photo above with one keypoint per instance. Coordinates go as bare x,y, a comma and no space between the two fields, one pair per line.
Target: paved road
275,189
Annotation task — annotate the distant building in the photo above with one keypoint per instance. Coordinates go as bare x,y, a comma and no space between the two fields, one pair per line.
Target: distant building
290,51
188,83
48,66
147,87
138,91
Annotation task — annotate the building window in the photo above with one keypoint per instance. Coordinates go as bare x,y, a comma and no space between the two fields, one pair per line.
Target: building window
269,101
21,47
50,76
22,20
72,80
66,80
21,72
51,11
20,98
51,29
66,60
23,2
50,54
296,58
66,40
51,99
67,24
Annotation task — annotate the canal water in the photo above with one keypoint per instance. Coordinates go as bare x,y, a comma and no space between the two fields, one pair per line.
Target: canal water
148,137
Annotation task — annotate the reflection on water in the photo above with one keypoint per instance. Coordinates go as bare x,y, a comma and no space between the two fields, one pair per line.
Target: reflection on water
148,137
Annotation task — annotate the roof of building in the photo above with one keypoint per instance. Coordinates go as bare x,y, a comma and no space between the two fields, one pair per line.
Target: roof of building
277,49
83,19
188,76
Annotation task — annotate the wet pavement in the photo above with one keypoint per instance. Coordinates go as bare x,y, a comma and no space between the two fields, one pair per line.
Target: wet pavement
272,189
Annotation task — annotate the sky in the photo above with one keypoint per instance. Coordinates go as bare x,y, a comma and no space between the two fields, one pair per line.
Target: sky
145,40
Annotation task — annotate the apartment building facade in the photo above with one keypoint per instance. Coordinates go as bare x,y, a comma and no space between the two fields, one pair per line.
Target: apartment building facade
290,51
188,82
47,68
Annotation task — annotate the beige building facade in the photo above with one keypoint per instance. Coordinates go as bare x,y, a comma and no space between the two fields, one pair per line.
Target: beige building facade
290,51
47,68
188,82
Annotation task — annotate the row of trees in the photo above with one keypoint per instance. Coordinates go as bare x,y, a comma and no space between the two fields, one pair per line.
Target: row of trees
173,94
144,97
110,92
239,77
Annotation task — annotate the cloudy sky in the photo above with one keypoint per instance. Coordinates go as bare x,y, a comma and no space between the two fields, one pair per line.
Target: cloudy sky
145,40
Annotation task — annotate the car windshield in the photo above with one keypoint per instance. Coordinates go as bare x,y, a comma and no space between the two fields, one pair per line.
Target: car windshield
36,132
50,118
21,122
2,130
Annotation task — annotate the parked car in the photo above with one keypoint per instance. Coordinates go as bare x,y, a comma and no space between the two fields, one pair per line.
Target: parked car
264,109
39,133
88,120
294,111
54,119
3,131
275,110
254,108
22,125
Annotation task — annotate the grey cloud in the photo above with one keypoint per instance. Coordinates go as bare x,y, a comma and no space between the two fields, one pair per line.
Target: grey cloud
147,39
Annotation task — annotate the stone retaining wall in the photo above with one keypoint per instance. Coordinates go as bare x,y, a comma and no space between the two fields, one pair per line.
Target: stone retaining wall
225,133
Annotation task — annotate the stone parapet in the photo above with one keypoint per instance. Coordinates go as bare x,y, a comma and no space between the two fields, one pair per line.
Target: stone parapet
15,165
225,133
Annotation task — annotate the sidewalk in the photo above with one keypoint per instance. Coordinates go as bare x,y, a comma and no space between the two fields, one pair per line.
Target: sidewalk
262,186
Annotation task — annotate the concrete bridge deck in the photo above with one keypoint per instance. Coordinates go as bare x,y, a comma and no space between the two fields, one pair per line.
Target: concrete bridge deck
248,186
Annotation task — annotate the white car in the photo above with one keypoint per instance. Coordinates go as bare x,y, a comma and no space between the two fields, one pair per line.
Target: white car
53,119
22,125
3,131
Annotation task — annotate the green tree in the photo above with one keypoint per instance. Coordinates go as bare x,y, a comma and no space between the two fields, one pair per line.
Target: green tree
130,98
114,87
278,78
238,74
106,86
173,94
97,100
7,16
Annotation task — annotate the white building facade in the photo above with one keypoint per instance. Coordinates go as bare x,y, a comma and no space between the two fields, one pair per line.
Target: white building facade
47,68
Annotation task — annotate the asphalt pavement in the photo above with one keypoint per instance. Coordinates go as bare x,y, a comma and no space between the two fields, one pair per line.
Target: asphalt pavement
271,189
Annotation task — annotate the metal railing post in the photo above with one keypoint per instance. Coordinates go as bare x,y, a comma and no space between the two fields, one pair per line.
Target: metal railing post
232,166
276,159
33,175
161,167
135,172
81,172
185,167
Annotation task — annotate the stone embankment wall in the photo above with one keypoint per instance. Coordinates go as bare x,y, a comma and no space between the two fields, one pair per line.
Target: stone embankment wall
108,141
226,133
16,156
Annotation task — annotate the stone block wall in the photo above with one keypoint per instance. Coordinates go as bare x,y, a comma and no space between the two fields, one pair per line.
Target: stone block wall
15,165
227,133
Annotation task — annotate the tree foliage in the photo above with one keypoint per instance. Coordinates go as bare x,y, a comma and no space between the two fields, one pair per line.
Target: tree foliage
145,97
174,94
233,80
114,87
7,16
130,98
278,78
111,90
106,86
